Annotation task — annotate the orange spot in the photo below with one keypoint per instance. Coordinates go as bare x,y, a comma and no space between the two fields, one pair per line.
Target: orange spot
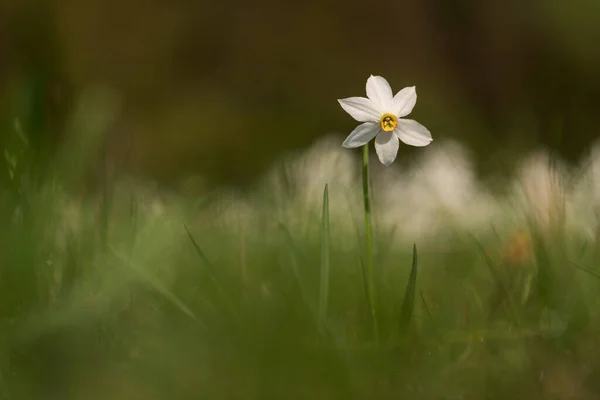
519,248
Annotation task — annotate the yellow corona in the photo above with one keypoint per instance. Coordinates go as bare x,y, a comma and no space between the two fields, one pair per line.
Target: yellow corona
388,122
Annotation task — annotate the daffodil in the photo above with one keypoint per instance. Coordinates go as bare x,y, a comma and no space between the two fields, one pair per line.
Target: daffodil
382,115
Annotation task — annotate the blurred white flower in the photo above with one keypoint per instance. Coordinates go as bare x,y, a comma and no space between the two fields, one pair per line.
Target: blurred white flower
584,200
541,181
296,183
382,116
437,195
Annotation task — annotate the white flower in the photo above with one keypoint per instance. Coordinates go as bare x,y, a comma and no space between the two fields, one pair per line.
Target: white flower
382,114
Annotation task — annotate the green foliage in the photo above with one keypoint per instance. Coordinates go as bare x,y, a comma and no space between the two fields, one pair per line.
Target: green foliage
185,299
408,304
325,258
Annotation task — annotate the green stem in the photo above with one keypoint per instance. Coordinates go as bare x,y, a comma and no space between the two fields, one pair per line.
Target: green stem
369,240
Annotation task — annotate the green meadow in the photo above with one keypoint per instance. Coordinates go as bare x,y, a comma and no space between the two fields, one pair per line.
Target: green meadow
130,290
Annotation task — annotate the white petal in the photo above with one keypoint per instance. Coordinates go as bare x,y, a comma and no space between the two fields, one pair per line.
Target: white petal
379,90
412,133
404,102
361,135
386,145
361,109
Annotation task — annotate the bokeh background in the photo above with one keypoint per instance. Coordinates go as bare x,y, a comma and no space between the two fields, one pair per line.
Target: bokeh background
224,88
112,287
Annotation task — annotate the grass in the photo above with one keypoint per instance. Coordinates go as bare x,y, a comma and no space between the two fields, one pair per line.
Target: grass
263,297
325,258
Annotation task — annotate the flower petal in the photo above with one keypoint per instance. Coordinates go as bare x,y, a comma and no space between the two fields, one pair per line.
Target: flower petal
404,101
361,109
412,133
386,146
361,135
379,90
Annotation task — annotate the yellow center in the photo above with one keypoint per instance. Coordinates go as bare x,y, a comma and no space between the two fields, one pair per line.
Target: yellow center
388,122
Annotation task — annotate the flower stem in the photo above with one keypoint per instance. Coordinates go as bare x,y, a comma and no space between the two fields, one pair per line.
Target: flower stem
369,240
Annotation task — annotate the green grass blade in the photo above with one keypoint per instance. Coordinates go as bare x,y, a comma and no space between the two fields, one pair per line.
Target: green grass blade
425,304
205,260
325,257
587,269
505,292
152,281
211,272
297,259
408,304
199,251
295,255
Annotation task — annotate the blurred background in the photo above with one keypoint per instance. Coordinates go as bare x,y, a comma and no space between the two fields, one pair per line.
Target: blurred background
224,88
135,292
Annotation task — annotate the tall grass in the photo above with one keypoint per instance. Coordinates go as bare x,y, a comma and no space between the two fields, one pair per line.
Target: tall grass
162,296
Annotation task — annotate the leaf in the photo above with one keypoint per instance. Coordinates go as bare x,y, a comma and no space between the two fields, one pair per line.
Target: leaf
505,293
587,269
408,304
153,282
325,257
211,272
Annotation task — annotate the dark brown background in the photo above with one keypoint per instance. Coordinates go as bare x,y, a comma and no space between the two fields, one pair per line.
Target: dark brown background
224,87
